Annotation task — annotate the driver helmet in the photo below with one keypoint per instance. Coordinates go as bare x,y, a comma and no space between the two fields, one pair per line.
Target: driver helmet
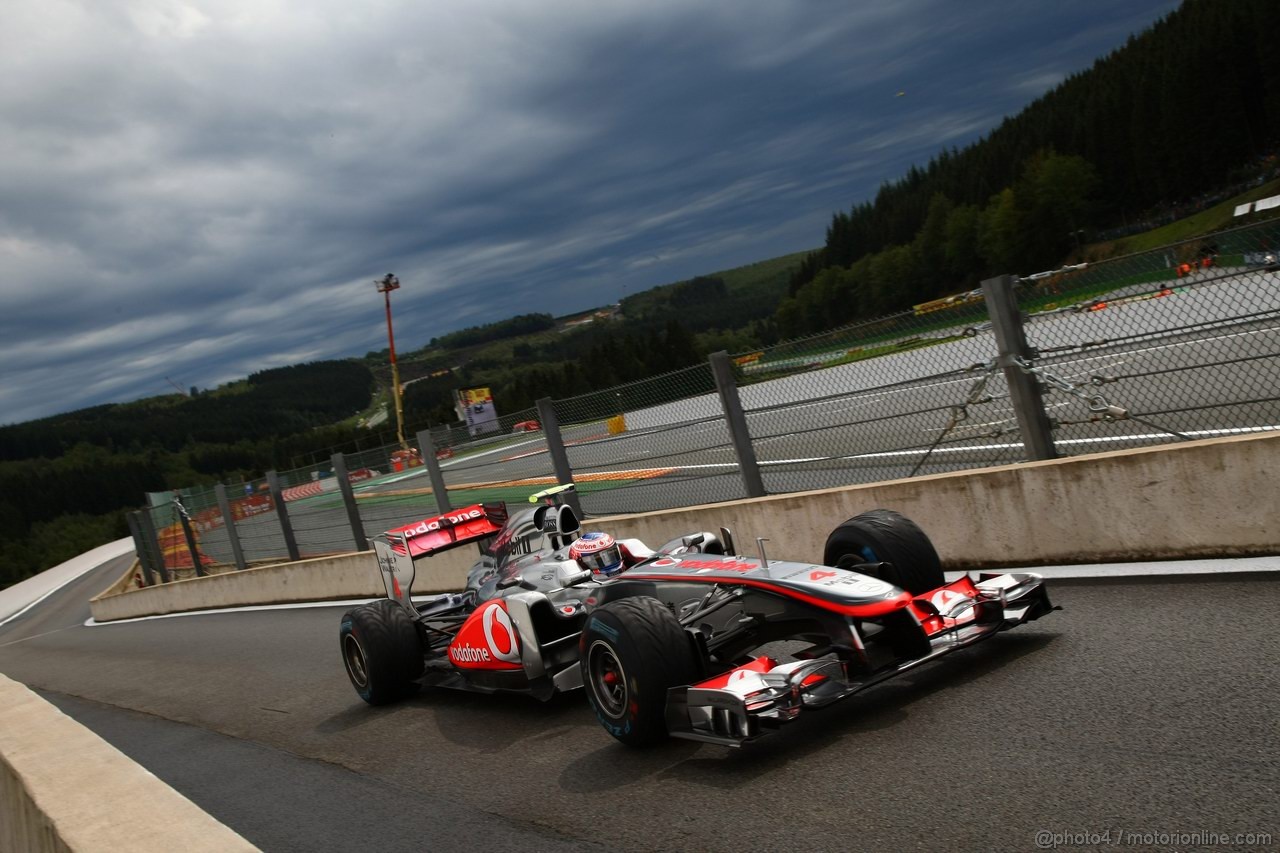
599,553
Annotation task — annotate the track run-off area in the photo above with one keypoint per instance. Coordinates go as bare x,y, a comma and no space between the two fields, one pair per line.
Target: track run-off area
1144,706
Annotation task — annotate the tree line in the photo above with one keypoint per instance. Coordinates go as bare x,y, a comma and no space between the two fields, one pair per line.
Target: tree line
603,354
66,480
1187,106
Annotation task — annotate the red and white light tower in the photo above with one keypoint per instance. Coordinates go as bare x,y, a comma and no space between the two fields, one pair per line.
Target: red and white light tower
385,285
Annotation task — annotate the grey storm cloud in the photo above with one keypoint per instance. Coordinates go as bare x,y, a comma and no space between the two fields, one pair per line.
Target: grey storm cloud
201,190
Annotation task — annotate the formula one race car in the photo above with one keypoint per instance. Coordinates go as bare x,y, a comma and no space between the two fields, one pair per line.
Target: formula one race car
670,644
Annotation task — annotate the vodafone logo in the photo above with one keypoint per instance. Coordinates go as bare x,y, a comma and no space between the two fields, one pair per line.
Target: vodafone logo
436,523
500,635
469,654
487,640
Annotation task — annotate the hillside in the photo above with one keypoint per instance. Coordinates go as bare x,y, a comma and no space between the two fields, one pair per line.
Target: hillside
1184,110
1163,127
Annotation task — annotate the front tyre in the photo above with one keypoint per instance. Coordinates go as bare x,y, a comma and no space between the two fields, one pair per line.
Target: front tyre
630,652
381,651
882,535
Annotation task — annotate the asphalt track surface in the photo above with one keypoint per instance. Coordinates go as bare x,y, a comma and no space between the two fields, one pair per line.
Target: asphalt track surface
1141,707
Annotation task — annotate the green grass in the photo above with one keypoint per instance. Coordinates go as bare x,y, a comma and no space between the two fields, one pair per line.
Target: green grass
761,274
513,495
1216,218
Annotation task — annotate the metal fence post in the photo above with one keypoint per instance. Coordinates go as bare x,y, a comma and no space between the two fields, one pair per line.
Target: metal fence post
152,543
439,491
555,448
286,528
722,370
229,522
1024,389
349,500
190,535
140,545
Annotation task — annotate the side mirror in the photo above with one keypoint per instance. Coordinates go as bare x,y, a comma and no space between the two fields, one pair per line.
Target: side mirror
570,574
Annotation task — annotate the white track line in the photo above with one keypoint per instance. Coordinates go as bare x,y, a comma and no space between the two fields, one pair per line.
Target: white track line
252,608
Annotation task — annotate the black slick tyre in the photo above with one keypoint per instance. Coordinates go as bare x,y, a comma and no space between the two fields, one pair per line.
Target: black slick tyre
381,651
882,535
630,652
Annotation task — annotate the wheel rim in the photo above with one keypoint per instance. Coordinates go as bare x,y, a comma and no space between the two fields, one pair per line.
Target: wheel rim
608,679
353,656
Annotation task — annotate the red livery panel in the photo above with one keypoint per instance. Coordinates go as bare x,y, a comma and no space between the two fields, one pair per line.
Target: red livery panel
444,531
945,607
487,640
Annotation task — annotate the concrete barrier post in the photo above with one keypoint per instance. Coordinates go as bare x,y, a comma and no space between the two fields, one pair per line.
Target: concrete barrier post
349,501
555,448
282,512
1024,389
229,523
736,419
439,491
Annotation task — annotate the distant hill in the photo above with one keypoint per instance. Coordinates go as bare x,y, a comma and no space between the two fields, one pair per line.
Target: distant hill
1181,111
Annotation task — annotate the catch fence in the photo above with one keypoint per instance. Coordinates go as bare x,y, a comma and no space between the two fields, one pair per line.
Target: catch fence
1171,345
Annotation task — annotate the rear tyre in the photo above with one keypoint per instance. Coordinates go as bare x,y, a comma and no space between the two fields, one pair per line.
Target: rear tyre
630,652
381,651
883,535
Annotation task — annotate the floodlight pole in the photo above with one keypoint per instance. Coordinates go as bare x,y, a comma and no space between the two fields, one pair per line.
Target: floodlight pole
385,285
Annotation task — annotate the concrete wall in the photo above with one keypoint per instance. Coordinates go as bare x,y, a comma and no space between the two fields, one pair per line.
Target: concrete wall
353,575
1210,498
63,788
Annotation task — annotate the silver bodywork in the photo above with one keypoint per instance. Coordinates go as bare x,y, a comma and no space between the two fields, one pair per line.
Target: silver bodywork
752,702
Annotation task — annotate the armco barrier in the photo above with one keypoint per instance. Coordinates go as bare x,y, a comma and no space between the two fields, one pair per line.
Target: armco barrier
1212,498
63,788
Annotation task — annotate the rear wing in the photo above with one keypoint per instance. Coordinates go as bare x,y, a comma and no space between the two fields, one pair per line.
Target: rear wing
397,549
448,530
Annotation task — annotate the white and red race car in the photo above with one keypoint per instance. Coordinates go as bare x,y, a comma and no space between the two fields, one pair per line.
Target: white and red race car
692,640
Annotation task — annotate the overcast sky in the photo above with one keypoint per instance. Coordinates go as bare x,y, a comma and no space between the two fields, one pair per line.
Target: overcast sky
201,190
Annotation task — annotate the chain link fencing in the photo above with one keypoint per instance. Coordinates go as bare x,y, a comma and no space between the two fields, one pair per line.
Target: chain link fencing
652,444
1174,344
906,394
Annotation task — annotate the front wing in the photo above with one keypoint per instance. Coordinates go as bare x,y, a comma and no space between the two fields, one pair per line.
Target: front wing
744,703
